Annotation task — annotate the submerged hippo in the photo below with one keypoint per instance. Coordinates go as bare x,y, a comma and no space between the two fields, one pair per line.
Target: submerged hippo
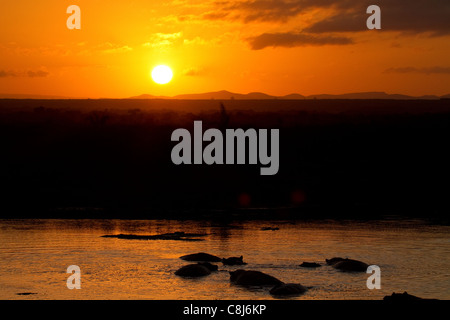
348,264
405,296
252,278
232,261
333,260
196,270
286,289
270,229
201,256
310,265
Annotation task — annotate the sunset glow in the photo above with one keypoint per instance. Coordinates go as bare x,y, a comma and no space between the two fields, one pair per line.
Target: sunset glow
214,157
276,47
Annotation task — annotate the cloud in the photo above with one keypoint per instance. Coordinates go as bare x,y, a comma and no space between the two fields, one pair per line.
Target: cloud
196,40
40,73
102,48
293,23
223,38
168,36
163,39
426,70
7,73
413,16
192,72
109,48
272,10
259,10
215,15
37,74
293,39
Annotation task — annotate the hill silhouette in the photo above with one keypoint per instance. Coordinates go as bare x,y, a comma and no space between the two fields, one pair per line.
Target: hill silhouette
227,95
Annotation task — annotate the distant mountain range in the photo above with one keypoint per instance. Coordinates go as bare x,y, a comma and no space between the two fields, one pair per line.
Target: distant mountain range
226,95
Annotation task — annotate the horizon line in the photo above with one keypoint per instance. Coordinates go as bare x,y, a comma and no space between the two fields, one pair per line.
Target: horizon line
235,96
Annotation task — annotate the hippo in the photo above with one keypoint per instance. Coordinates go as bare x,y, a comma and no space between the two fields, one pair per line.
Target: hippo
405,296
286,289
210,266
201,256
195,270
310,265
348,264
232,261
270,229
333,260
252,278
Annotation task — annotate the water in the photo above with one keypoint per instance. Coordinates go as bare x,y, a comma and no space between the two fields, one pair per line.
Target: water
34,256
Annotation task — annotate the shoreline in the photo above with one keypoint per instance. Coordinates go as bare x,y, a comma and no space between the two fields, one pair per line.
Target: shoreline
232,214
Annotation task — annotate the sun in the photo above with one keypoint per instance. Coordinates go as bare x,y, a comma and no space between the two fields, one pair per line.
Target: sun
162,74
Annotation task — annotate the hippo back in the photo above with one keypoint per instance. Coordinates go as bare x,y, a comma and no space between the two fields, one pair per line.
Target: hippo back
252,278
201,256
351,265
193,270
334,260
210,266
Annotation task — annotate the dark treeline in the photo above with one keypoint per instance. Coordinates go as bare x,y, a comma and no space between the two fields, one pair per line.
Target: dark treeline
105,158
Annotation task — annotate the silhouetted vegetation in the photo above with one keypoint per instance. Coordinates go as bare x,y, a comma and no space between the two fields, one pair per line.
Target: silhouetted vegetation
338,158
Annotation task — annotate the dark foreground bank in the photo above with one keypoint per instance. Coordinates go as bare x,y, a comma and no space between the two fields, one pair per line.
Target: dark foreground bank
112,158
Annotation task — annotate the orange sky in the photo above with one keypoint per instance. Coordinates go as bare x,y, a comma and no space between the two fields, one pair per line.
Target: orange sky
273,46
